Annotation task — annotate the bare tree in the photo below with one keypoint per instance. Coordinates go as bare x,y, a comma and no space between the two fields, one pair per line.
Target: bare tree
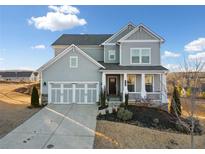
191,71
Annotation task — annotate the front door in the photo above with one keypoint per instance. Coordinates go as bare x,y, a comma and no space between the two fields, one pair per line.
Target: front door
112,85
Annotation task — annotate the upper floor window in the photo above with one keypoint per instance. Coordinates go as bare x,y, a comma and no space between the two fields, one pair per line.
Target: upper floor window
112,54
140,55
73,61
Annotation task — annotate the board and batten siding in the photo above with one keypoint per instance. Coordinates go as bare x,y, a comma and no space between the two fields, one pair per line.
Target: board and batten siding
125,52
60,71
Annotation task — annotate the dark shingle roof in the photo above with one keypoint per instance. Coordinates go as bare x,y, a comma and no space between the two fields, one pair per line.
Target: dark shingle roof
84,39
16,73
116,66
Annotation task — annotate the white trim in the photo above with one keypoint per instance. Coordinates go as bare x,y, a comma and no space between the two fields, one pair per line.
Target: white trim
116,34
108,44
146,29
60,55
143,90
140,41
110,53
140,56
120,55
76,62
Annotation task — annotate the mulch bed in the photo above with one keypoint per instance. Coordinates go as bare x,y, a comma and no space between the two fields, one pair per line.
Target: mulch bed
154,118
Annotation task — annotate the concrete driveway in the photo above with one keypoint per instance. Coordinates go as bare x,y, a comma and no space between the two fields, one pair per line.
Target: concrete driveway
55,126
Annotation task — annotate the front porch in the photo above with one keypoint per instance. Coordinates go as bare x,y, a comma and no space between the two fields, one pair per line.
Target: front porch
139,85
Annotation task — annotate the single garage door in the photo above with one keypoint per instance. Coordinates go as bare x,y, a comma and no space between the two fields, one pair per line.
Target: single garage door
76,92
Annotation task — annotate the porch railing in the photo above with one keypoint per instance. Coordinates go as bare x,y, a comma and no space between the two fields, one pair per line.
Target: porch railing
154,96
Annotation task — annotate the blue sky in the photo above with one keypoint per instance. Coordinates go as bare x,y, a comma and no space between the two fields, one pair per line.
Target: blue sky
25,41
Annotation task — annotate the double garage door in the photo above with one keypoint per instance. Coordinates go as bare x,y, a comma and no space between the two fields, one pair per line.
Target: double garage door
73,92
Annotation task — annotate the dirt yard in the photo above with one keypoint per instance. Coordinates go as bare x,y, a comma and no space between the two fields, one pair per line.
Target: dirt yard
119,135
13,107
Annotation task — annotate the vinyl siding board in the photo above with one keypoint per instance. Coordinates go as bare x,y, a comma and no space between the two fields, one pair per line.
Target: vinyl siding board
61,71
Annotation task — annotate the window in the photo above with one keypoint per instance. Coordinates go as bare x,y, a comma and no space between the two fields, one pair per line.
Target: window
112,54
145,55
135,53
131,83
73,61
149,80
140,55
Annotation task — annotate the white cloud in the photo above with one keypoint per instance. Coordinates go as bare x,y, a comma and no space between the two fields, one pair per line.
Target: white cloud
199,56
61,18
64,9
39,46
173,67
1,59
196,45
170,54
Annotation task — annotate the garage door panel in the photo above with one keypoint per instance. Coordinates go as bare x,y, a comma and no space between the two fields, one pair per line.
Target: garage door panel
81,93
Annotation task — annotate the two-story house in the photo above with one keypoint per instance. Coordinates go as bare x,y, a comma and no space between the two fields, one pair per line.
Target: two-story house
125,62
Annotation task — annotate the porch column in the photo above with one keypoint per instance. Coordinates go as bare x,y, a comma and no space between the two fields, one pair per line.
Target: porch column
103,80
164,88
143,91
125,90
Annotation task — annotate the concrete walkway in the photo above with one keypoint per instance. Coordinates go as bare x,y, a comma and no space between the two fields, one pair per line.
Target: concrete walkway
55,126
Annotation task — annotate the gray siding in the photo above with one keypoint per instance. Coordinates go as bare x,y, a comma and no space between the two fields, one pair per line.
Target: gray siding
61,71
156,82
123,33
94,51
138,83
141,35
106,53
155,52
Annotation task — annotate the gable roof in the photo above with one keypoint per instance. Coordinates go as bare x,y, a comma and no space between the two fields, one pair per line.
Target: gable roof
81,39
119,32
146,30
64,52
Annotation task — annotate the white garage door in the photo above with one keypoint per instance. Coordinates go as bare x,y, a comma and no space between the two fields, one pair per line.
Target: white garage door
80,93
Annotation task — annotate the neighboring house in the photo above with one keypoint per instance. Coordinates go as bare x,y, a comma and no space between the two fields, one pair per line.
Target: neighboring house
125,62
18,75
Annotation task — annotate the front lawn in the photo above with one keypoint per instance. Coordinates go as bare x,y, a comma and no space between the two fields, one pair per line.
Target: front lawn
122,135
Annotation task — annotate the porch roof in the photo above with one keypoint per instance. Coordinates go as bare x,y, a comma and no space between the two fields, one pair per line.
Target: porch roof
116,66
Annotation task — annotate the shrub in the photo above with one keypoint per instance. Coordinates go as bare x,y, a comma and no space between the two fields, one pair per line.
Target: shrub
203,94
175,107
124,114
126,99
35,98
106,111
114,110
198,128
188,92
103,97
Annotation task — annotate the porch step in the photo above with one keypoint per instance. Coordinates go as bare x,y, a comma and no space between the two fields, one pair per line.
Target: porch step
114,98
